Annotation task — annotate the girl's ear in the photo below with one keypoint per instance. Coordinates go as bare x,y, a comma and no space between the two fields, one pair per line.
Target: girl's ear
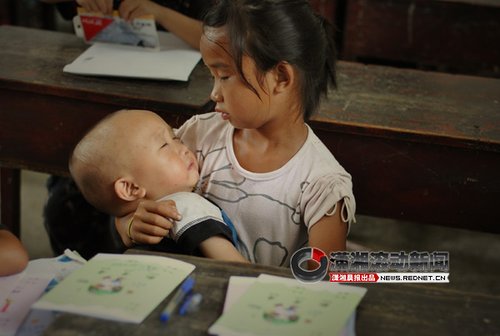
127,190
284,76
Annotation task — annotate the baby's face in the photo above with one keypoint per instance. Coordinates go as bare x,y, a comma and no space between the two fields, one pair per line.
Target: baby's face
162,163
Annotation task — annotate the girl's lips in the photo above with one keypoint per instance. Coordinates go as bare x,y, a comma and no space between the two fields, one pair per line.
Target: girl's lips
224,115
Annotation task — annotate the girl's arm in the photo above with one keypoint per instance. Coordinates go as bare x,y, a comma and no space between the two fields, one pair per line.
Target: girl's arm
220,248
330,232
188,29
148,224
185,27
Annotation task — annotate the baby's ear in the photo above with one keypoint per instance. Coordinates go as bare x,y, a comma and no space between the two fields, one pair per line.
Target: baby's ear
127,190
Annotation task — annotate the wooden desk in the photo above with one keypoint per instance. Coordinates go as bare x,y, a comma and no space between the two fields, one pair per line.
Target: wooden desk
44,111
459,36
390,309
421,146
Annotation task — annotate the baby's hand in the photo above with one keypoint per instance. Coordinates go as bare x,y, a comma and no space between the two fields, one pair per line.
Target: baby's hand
149,224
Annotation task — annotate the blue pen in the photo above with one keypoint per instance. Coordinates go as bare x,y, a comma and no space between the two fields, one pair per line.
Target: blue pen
179,296
191,304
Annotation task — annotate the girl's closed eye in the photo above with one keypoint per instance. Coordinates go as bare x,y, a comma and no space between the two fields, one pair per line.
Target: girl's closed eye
220,77
223,75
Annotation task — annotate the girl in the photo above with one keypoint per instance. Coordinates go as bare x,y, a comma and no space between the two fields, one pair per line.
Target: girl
271,60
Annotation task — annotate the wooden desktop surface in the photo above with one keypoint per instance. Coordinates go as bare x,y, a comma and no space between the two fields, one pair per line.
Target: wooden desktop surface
420,146
386,309
47,110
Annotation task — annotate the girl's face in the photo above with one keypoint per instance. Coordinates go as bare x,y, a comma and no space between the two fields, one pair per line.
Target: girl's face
234,99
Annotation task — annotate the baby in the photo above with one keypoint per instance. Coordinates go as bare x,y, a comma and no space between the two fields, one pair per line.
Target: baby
133,155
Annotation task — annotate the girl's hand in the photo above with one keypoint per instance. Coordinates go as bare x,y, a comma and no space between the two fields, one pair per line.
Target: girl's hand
149,224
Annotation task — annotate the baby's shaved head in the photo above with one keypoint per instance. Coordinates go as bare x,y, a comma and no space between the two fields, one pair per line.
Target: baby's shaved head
102,155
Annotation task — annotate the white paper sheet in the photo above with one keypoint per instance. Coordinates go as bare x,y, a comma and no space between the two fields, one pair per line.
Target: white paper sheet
238,285
174,61
18,292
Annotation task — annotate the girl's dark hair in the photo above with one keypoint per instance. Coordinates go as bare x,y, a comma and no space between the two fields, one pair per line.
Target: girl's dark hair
271,31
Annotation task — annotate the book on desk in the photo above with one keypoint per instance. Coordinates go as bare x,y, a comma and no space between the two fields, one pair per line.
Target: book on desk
117,287
174,60
272,305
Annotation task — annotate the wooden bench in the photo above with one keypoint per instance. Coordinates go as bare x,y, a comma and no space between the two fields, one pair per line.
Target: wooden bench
459,36
420,146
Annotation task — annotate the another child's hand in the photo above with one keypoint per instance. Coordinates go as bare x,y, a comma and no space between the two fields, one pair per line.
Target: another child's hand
132,9
149,224
97,6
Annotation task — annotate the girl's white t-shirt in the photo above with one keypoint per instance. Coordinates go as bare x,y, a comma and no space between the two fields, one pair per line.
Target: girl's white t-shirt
272,212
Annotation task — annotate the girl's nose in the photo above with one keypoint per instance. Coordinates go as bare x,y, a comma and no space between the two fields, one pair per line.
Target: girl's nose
215,95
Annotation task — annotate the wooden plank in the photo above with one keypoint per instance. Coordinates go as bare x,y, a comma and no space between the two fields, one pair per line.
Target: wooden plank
37,69
447,36
60,122
411,105
326,8
10,198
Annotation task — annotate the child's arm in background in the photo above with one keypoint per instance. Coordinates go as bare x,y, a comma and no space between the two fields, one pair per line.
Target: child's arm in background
183,26
220,248
150,222
330,232
13,256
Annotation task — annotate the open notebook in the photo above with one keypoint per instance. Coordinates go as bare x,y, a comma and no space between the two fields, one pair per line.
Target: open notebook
120,287
270,305
175,60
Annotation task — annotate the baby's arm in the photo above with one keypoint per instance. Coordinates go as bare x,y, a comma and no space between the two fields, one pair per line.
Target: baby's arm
150,222
218,247
330,232
150,226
